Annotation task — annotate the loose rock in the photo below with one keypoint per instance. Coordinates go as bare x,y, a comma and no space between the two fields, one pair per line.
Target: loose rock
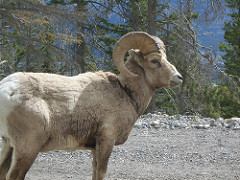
159,120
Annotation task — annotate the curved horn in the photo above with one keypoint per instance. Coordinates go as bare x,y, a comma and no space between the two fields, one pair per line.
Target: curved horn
134,40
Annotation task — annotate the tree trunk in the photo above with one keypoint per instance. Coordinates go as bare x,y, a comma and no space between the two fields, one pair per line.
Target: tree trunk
152,29
80,52
80,45
152,16
135,15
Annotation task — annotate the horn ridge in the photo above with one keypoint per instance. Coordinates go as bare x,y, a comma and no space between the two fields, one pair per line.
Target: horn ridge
133,40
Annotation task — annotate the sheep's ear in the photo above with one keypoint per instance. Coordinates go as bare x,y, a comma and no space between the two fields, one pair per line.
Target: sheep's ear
138,56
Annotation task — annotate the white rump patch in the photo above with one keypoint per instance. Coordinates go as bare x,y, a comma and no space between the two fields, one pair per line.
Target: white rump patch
9,98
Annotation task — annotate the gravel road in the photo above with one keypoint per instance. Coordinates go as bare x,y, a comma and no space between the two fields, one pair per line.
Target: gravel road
153,154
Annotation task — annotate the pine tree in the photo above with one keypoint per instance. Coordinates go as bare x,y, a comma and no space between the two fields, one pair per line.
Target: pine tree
232,38
229,92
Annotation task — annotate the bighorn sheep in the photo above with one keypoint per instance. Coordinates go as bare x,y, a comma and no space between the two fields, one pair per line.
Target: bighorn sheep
42,112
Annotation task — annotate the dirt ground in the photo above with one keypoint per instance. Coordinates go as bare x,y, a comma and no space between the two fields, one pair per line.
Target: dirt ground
152,154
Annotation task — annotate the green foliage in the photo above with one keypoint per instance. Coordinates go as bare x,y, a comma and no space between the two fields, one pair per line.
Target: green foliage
232,37
224,100
62,2
166,101
65,2
194,15
221,101
174,16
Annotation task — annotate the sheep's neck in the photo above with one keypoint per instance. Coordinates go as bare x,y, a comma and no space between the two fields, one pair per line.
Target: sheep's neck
141,92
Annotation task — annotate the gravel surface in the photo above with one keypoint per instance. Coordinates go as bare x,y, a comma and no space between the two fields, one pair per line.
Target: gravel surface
156,150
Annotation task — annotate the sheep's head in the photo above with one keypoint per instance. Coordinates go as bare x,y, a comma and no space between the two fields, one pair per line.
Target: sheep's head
149,53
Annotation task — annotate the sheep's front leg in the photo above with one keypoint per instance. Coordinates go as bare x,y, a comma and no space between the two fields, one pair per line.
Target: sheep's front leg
103,151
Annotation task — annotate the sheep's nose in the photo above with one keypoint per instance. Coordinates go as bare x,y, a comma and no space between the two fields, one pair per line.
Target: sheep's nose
180,77
177,79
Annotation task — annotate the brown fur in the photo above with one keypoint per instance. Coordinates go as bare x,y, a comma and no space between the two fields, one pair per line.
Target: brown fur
92,111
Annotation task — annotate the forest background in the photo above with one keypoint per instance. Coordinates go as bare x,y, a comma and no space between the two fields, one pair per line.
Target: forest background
74,36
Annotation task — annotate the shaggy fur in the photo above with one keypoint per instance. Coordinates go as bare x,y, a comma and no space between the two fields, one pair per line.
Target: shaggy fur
93,111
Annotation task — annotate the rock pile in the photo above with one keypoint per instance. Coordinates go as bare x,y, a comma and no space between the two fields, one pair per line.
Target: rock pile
159,120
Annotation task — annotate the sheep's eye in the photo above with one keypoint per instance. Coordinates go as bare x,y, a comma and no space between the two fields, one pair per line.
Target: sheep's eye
155,61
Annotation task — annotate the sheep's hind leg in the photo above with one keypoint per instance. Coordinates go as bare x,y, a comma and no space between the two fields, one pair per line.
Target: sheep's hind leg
94,165
6,157
21,163
104,149
25,151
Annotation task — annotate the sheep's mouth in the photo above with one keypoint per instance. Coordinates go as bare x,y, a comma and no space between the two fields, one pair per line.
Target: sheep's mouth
174,84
